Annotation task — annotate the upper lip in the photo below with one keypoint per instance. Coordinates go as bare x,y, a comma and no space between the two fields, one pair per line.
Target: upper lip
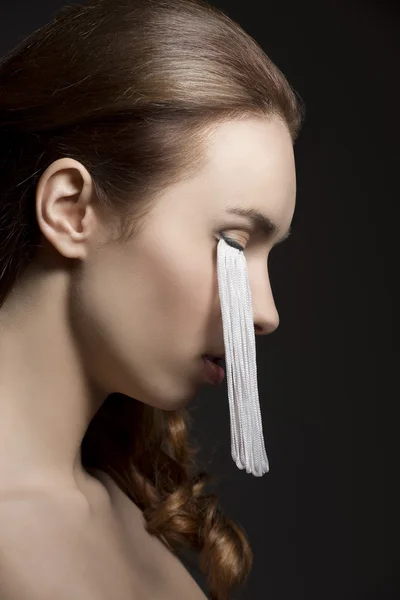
220,355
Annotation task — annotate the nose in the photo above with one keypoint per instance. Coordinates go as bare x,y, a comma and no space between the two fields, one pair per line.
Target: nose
265,313
266,321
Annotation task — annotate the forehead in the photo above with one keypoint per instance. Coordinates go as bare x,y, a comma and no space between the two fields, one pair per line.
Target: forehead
249,164
253,158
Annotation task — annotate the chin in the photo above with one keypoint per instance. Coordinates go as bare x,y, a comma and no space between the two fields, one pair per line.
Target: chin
168,394
167,402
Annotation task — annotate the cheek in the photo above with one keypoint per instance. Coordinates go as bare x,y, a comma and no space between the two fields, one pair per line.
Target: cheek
180,296
149,299
145,315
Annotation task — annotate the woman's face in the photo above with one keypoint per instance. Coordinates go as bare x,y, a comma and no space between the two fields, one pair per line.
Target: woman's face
146,311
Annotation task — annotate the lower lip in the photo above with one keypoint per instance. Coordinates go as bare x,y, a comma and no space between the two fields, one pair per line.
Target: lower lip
213,372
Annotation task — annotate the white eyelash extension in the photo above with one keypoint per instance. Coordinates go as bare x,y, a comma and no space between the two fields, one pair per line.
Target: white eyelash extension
247,440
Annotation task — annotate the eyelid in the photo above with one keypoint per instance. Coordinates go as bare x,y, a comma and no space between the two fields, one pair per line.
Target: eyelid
232,242
242,242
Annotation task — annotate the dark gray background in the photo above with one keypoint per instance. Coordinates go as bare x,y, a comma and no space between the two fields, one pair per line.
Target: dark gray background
323,523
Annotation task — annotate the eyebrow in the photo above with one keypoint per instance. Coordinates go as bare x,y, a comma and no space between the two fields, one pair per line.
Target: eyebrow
260,222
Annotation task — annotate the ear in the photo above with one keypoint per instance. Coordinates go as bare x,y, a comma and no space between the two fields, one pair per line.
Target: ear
64,207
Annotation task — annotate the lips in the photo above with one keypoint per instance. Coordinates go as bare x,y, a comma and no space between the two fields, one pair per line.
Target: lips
212,371
215,358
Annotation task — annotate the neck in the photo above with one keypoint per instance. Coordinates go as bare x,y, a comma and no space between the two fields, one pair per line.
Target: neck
46,400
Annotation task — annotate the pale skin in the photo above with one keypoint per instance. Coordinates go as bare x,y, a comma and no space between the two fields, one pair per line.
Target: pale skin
133,318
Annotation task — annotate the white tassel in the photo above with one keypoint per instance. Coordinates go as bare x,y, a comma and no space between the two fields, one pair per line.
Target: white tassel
247,440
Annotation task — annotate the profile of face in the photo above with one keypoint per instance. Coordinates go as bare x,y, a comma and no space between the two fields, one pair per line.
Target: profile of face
143,313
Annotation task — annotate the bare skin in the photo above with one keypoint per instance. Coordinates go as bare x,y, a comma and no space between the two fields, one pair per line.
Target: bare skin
55,546
73,331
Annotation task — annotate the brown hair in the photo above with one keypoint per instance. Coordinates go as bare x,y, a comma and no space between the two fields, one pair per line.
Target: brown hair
132,89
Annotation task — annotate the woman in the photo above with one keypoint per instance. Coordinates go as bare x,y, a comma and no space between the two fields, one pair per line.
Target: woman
129,129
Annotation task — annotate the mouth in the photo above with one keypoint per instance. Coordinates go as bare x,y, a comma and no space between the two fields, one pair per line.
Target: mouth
213,372
217,359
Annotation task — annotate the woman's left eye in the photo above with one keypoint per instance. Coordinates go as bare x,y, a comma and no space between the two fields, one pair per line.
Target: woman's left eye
232,242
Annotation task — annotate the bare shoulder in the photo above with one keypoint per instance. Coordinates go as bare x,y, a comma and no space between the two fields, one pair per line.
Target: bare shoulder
32,552
50,547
